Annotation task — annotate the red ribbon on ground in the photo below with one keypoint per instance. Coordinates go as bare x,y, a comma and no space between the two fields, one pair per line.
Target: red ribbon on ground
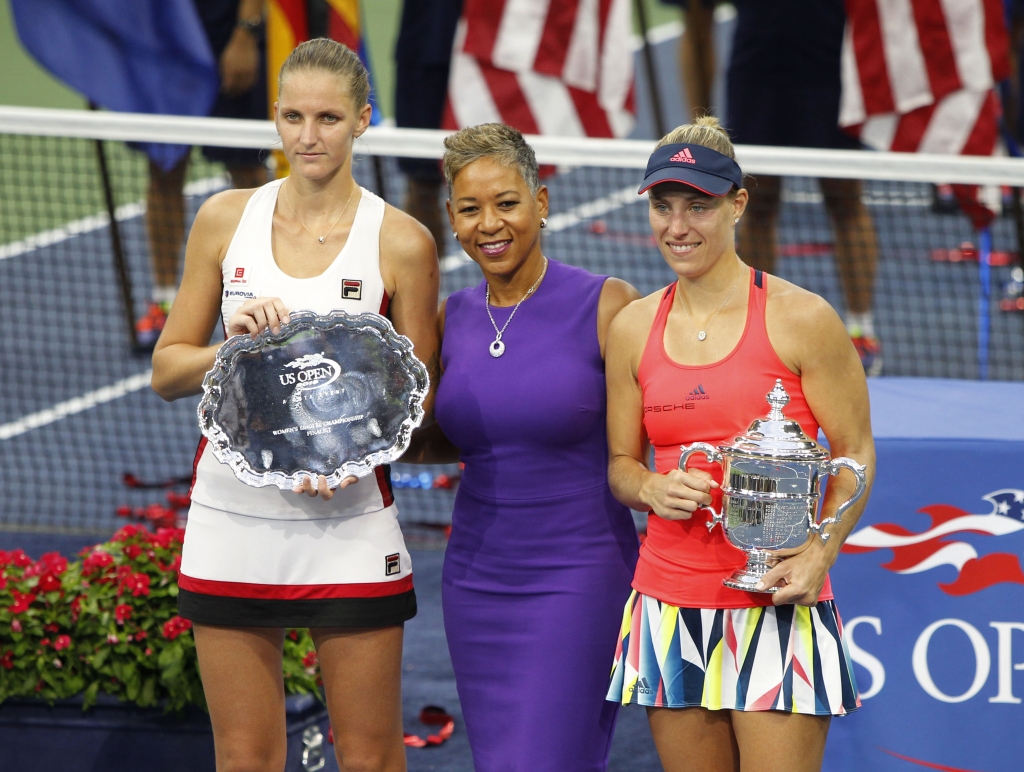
432,715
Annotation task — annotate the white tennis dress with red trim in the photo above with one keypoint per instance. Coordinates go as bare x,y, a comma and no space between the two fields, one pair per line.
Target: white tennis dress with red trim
270,558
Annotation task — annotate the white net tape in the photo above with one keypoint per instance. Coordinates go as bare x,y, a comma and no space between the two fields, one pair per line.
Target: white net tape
559,151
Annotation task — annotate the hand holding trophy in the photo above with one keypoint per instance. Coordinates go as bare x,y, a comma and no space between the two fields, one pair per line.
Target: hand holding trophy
771,488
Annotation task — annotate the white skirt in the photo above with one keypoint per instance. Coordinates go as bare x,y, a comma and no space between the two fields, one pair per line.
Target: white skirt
244,571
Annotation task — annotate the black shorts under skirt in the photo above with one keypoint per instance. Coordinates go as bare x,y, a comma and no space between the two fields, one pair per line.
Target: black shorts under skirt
223,611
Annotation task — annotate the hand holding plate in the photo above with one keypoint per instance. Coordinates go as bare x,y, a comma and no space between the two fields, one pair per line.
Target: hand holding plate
321,488
256,315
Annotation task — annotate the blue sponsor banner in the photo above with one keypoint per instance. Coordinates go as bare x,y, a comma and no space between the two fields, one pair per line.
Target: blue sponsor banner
931,587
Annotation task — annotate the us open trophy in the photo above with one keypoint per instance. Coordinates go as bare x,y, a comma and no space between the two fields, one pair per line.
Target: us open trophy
335,395
770,489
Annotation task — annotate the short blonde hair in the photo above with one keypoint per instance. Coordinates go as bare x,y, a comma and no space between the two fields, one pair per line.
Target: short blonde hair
324,55
490,140
705,131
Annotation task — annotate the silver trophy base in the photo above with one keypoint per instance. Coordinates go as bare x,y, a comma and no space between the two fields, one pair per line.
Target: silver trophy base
746,578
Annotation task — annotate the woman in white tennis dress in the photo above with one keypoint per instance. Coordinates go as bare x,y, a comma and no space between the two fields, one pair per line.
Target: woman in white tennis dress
258,560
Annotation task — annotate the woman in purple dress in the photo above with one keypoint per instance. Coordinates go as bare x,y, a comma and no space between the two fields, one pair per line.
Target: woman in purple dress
541,555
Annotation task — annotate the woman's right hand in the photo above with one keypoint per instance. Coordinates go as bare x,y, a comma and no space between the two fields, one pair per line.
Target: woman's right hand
254,316
678,494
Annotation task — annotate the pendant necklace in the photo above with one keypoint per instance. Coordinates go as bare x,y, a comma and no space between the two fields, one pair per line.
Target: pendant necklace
497,347
702,334
323,238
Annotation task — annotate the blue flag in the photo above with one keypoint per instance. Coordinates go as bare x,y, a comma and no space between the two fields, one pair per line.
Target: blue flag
140,56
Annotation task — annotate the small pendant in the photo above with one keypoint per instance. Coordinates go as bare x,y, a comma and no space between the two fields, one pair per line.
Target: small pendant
497,348
321,239
701,335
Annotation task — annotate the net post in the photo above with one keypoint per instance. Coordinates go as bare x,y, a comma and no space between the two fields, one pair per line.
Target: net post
120,266
984,295
652,77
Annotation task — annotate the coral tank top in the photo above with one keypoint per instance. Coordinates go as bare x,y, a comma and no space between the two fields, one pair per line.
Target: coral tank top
681,562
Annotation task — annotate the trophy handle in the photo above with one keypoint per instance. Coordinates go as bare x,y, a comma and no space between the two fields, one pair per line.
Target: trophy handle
832,468
712,454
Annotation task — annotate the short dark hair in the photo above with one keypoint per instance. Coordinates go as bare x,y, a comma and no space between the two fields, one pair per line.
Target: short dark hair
490,140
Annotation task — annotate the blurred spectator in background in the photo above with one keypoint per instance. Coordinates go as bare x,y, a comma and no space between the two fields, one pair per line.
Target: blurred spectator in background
234,29
423,55
784,89
1012,94
697,62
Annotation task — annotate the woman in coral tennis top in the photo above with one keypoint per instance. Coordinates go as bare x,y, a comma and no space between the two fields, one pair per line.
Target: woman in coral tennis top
728,677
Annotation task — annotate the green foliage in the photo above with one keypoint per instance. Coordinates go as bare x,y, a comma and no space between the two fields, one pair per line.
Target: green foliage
108,622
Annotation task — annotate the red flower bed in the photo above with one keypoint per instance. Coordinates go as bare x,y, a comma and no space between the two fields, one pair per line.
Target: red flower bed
108,622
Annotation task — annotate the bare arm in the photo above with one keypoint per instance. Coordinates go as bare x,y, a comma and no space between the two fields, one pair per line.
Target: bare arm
675,495
411,278
810,337
615,295
429,444
183,355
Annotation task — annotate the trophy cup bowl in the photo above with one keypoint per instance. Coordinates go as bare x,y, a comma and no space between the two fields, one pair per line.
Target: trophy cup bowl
771,488
337,395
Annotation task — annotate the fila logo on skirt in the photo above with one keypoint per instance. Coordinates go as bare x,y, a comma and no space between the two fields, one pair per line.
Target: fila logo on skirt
391,565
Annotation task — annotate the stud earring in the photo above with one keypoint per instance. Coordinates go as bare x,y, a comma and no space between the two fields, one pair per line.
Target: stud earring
736,221
543,222
455,235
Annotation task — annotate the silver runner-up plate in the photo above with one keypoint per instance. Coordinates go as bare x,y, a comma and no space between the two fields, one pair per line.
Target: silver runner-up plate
337,395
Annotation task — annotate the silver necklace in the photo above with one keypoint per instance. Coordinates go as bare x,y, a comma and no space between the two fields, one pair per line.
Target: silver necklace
497,347
323,238
702,334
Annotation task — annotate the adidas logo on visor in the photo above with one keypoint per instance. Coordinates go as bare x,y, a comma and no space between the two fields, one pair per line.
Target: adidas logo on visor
683,157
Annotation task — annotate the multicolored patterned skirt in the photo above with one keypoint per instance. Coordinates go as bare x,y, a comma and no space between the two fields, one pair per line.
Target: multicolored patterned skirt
789,658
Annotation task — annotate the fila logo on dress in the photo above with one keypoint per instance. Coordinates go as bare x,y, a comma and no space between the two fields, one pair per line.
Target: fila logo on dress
392,564
351,289
683,157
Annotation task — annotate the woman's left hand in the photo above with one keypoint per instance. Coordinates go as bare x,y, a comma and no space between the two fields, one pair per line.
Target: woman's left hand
801,576
319,487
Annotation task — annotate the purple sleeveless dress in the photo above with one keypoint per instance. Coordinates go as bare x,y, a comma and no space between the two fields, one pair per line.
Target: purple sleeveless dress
541,555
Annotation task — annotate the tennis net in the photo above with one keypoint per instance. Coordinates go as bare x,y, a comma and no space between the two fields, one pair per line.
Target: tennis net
82,436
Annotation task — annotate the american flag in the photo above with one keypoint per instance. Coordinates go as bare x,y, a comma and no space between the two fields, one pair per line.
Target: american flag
558,67
914,552
919,75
